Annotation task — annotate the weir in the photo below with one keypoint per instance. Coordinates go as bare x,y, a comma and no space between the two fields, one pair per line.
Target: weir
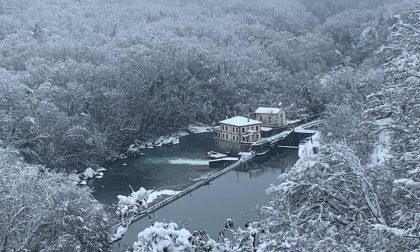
285,139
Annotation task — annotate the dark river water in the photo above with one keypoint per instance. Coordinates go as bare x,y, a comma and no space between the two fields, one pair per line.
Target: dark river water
235,195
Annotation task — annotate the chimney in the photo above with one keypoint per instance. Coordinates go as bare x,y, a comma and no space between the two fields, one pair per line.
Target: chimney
227,117
234,113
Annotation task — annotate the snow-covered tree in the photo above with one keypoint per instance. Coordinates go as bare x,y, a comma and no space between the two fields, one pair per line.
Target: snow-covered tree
342,201
42,211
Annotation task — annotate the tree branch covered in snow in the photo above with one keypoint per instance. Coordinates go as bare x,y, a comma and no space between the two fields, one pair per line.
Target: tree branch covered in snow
362,190
42,211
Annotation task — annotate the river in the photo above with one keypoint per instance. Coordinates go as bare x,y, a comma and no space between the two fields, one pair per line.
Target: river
235,195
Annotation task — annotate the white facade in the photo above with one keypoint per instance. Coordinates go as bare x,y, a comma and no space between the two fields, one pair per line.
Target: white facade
239,129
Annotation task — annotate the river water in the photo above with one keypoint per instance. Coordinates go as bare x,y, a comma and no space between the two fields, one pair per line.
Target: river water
235,195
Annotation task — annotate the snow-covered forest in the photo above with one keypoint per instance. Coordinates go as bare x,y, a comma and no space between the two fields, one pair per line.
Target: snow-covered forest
80,81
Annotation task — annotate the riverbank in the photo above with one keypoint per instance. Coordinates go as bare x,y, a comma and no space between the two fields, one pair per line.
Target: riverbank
138,147
136,150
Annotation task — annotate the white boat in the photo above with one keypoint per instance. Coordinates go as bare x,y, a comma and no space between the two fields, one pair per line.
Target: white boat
215,155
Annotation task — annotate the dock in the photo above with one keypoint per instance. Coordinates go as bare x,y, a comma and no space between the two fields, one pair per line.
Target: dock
204,181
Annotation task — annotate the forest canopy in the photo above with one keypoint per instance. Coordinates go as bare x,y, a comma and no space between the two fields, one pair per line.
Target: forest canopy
82,80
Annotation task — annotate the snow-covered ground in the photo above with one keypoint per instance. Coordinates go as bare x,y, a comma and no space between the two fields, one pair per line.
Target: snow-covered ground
306,150
281,134
381,149
292,121
301,129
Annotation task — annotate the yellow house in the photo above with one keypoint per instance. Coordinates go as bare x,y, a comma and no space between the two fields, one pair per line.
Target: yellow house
271,117
237,133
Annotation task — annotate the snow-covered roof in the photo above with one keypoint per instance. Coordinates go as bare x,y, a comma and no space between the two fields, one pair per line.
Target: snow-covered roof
266,128
267,110
240,121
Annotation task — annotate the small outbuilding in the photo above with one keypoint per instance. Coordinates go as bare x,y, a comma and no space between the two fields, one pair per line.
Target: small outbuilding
271,117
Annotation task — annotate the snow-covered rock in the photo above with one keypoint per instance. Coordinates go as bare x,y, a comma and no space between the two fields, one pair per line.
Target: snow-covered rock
199,128
101,169
133,151
89,173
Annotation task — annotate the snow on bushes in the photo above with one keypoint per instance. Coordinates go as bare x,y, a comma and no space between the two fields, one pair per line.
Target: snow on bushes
164,237
168,237
129,206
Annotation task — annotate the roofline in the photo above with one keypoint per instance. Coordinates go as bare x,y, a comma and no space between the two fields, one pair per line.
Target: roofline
240,125
266,112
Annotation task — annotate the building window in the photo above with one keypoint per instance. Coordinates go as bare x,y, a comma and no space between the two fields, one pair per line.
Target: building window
243,130
260,118
256,128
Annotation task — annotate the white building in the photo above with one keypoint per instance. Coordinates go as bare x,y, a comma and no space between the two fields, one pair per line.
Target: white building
237,133
271,117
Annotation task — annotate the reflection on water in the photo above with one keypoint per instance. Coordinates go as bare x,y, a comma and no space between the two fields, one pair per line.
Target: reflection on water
235,195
